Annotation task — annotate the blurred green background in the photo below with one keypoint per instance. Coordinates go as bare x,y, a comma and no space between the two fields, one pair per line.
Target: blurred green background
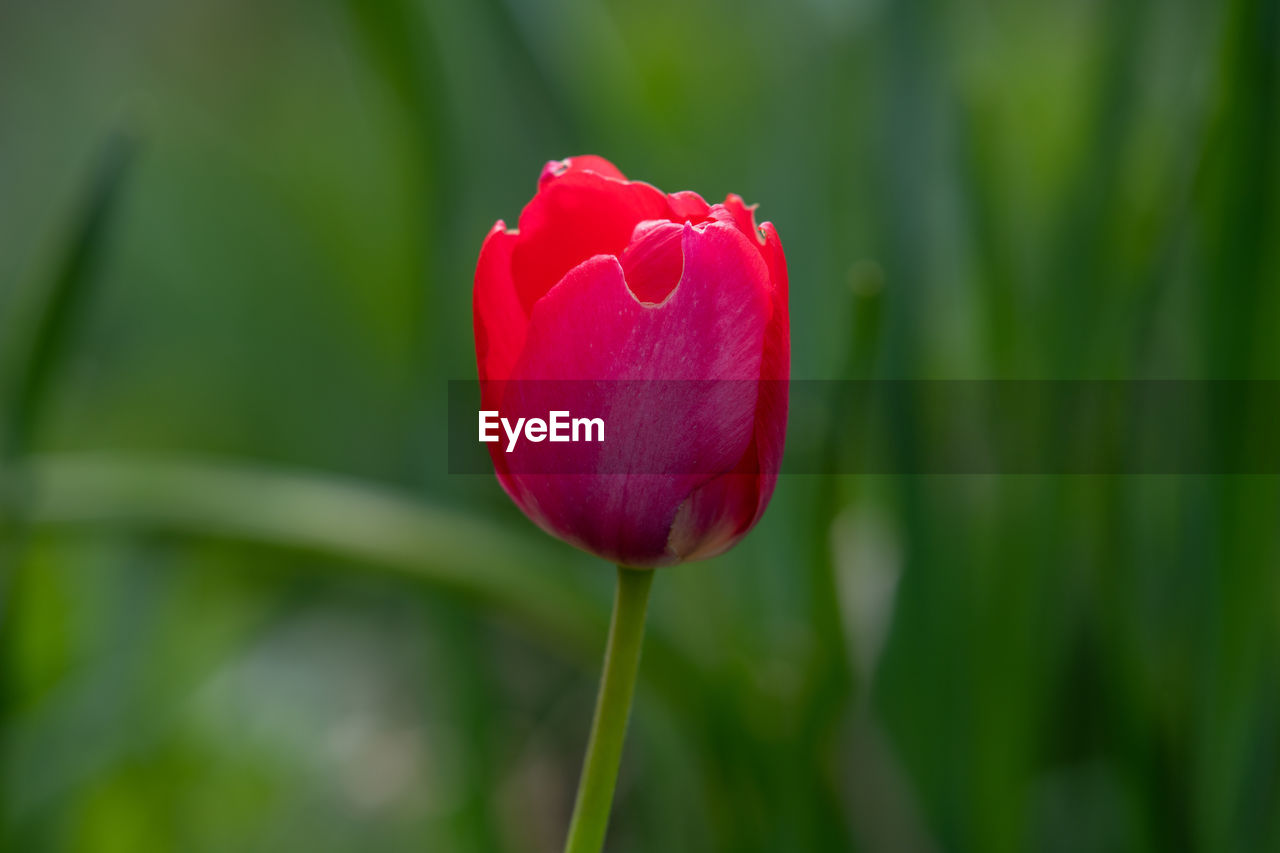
245,608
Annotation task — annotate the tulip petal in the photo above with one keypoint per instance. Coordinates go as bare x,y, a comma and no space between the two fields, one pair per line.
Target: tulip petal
654,261
574,216
499,328
688,206
499,319
591,326
775,371
742,215
717,513
582,163
776,363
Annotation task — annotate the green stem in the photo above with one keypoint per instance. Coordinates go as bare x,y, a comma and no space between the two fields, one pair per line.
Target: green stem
613,707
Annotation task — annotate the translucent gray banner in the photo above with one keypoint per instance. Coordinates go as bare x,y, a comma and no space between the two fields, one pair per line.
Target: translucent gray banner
869,427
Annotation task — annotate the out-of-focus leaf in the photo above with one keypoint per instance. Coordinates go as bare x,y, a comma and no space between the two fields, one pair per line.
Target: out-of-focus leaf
52,316
324,514
518,576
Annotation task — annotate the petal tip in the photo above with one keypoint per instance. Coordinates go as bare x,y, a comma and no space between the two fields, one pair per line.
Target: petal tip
582,163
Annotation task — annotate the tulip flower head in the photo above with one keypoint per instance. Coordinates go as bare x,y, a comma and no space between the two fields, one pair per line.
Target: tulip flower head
609,285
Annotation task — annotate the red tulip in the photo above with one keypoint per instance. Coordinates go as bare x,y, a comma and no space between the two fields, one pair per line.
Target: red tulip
612,280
